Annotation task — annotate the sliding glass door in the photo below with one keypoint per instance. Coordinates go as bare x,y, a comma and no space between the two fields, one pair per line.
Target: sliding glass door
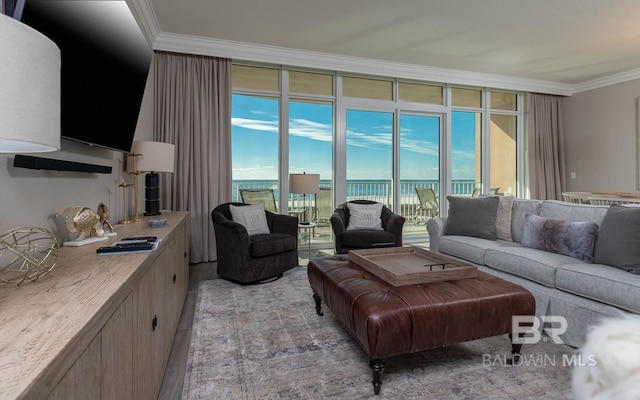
419,168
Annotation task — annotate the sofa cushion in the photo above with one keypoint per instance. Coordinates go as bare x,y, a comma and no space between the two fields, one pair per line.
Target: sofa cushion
472,216
603,283
619,240
533,264
469,248
520,208
574,239
572,212
251,217
365,216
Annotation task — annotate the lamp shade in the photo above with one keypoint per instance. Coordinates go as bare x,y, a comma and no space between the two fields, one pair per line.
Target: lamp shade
153,156
29,89
304,183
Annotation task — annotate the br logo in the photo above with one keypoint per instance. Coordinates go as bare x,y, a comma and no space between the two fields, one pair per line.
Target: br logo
526,329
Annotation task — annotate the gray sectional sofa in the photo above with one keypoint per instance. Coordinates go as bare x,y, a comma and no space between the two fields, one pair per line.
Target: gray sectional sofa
579,287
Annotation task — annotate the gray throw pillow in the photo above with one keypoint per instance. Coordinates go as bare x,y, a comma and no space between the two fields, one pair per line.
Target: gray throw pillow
520,209
573,239
472,216
618,242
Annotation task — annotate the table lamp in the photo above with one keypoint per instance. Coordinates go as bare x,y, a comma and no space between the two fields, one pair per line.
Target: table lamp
151,157
29,89
304,184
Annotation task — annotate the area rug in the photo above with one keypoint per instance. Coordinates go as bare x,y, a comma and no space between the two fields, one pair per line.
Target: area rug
267,342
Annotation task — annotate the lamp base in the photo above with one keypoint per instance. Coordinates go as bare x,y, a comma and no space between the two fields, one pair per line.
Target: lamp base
152,194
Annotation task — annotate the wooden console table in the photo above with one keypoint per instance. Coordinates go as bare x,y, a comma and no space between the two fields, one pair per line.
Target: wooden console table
97,326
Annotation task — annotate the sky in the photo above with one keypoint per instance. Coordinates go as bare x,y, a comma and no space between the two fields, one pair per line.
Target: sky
369,142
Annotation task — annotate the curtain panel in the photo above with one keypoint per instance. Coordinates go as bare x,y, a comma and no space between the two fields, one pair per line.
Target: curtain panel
546,147
192,110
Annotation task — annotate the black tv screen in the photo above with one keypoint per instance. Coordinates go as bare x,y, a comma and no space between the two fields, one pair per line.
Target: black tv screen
105,63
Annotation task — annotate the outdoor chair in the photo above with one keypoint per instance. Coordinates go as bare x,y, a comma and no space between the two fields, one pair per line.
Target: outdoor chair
264,196
345,240
476,191
324,205
253,259
428,204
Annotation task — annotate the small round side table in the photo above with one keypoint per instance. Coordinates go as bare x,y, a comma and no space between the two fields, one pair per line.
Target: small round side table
307,235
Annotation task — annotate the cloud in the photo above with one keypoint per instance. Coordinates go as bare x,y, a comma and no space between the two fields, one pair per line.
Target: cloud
255,124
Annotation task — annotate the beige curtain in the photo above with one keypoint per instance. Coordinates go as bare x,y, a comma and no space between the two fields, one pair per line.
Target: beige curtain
192,109
546,147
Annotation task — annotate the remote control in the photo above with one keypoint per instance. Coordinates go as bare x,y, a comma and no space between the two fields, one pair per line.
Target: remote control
122,247
142,238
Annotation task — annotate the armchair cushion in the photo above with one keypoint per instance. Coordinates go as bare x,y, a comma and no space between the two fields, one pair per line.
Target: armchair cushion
273,243
365,216
345,240
251,217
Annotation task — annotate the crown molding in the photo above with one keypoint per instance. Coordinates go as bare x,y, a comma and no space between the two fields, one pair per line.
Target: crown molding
163,41
309,59
146,19
607,80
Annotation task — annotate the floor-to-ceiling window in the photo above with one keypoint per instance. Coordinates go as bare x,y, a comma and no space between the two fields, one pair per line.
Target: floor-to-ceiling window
255,130
382,139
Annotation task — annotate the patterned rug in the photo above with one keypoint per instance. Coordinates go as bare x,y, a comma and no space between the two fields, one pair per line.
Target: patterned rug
266,342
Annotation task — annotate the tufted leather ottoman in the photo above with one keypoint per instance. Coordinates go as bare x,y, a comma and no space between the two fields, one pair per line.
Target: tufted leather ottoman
388,321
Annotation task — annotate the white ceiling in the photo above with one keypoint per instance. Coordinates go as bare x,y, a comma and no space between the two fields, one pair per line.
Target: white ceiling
566,43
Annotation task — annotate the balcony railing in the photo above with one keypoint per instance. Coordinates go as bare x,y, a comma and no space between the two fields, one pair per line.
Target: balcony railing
376,190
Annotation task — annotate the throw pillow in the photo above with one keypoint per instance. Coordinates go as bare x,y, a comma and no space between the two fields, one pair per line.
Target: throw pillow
573,239
472,216
520,209
365,216
251,217
618,243
503,216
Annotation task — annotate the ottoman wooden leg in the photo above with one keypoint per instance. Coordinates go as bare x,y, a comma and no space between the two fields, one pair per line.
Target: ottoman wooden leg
515,351
318,304
377,366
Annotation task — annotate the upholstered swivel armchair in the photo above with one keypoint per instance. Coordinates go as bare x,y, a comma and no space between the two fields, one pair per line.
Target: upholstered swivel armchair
389,236
251,259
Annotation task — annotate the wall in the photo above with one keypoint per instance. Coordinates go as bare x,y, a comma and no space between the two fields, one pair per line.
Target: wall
33,197
600,138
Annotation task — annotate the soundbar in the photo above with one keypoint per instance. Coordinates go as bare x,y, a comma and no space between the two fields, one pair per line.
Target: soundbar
31,162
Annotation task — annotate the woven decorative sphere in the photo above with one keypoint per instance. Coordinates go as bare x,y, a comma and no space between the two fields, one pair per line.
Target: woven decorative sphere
26,254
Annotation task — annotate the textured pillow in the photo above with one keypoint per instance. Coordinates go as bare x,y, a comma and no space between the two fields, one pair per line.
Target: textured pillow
503,216
251,217
472,216
365,216
618,242
520,209
573,239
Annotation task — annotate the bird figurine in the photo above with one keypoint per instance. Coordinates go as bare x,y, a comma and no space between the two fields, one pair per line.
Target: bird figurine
84,221
103,214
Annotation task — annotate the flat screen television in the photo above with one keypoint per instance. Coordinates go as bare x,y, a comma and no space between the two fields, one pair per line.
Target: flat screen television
105,64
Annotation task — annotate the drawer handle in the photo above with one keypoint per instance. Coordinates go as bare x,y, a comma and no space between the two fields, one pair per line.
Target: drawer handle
154,323
174,278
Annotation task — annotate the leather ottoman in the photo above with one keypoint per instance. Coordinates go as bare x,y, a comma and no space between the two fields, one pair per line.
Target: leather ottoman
387,321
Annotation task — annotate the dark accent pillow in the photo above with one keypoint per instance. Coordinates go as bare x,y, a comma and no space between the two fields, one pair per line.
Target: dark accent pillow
618,242
573,239
472,216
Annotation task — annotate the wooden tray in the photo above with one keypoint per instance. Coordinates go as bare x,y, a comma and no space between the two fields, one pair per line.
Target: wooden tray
401,266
